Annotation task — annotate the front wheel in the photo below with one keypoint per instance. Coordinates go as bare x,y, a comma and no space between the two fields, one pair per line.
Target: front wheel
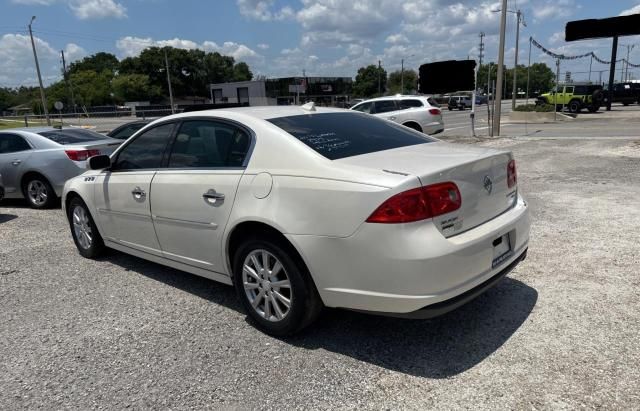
274,287
83,230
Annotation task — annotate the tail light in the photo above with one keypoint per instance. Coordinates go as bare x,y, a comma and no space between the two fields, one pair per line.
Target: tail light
81,155
418,204
512,174
435,111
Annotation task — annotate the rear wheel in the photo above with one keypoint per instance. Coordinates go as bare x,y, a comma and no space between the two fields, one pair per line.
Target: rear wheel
593,109
274,287
413,126
39,192
83,230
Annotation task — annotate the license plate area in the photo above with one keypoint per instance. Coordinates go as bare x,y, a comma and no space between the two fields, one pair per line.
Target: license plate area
501,250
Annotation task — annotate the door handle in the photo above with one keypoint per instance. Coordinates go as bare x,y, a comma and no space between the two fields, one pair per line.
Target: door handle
138,193
212,195
16,162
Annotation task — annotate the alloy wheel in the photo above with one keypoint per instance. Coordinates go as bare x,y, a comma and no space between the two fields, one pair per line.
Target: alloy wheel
267,285
37,192
81,227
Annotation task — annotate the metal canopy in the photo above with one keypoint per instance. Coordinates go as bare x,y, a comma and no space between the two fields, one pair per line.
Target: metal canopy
604,28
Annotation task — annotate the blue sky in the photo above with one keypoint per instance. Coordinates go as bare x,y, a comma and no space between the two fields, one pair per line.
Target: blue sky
283,37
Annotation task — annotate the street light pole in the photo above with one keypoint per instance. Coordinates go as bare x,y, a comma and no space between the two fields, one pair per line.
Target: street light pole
498,109
166,67
402,76
520,19
35,56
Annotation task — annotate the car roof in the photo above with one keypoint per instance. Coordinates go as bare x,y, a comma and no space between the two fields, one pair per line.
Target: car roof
397,97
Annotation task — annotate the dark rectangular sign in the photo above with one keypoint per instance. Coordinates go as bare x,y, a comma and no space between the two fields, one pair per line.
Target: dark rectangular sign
602,28
447,76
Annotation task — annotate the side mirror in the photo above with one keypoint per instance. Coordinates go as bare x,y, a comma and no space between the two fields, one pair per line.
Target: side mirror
99,162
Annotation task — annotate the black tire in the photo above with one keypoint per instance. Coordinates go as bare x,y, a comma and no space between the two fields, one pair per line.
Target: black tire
39,193
598,97
96,244
305,303
575,106
413,126
593,109
626,103
450,109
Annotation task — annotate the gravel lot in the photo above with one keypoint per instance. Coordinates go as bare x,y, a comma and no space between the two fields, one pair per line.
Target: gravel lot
560,332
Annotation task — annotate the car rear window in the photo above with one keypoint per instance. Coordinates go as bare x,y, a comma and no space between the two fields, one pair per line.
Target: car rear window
410,103
340,135
72,136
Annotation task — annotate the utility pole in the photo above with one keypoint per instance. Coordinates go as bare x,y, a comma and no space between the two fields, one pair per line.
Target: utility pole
498,109
402,76
520,19
612,70
35,56
166,67
68,81
379,74
481,49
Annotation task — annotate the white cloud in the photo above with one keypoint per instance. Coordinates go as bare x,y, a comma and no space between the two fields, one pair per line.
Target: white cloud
97,9
130,46
263,46
396,38
556,37
84,9
632,10
261,10
554,9
17,66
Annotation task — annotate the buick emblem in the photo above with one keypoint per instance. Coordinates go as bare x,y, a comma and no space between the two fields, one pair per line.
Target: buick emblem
488,184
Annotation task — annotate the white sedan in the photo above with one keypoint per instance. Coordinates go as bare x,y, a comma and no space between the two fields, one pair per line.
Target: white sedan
304,207
417,112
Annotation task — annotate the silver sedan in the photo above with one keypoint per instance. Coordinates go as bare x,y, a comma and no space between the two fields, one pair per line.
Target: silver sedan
36,162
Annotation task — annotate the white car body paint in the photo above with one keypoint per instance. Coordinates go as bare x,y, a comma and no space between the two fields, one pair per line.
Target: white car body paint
320,206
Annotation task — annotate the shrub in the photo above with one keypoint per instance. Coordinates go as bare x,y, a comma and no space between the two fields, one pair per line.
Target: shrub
538,108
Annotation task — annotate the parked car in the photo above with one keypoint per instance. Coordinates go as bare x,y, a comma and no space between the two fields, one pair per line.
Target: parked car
36,162
302,207
625,93
481,99
1,188
126,130
575,97
459,102
416,112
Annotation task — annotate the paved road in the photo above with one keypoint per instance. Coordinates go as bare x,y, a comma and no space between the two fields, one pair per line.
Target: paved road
560,332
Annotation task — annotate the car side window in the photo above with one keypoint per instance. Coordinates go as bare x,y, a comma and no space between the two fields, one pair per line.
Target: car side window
410,103
568,90
146,150
127,131
364,108
12,143
209,144
385,106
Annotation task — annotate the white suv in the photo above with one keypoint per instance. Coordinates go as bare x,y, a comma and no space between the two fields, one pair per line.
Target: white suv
416,112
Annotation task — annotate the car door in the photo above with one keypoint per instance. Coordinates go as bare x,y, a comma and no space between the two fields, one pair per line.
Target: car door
386,109
191,199
14,152
122,192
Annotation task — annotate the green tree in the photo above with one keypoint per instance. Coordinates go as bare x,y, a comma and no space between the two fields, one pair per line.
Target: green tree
134,87
410,82
241,72
98,62
541,80
92,88
366,84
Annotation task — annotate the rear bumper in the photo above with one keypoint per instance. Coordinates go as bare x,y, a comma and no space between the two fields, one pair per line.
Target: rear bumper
443,307
434,127
406,267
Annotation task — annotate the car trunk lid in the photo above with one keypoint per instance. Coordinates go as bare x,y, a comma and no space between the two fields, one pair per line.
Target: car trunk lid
479,173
